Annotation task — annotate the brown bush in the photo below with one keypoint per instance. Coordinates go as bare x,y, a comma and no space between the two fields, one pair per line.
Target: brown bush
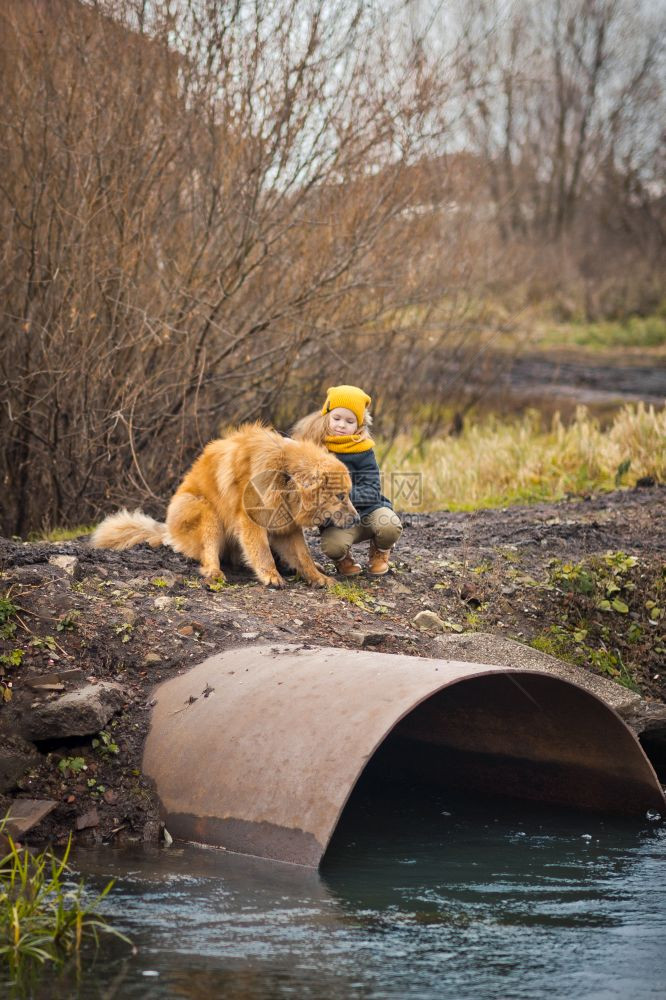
202,210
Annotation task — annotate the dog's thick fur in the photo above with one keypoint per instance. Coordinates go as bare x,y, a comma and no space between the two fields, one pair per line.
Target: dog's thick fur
246,494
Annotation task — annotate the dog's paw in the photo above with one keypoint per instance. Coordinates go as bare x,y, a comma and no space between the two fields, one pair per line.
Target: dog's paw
324,581
274,580
212,575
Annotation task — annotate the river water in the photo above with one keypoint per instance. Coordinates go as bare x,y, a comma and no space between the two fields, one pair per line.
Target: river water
427,897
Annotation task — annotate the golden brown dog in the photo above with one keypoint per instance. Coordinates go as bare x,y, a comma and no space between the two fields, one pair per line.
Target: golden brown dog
246,494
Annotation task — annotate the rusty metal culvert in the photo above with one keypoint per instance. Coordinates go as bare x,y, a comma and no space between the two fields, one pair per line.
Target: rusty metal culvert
258,749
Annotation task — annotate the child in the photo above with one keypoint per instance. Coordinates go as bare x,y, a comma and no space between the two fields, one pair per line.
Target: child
342,427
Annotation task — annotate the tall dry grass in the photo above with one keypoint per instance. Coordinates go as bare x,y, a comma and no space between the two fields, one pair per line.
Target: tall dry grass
494,463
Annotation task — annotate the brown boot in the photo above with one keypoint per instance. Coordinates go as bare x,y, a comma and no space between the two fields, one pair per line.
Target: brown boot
347,566
378,562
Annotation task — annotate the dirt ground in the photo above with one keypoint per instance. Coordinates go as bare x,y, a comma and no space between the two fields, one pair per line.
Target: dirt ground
540,574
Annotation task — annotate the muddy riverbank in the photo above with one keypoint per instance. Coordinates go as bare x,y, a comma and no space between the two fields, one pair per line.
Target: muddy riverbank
87,633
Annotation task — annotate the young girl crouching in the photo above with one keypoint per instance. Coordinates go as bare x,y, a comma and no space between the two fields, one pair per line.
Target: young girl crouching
342,426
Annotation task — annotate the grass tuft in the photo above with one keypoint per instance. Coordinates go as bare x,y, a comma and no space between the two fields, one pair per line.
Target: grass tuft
43,916
61,534
349,591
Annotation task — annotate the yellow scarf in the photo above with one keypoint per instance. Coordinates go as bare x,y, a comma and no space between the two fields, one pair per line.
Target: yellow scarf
348,444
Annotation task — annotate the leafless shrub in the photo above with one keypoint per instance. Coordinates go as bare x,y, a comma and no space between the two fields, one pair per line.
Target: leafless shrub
202,209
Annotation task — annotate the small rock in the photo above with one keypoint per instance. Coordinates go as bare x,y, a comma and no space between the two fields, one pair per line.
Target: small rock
185,630
26,813
45,682
365,639
249,635
54,677
78,713
87,819
110,796
70,564
428,621
151,658
72,675
162,602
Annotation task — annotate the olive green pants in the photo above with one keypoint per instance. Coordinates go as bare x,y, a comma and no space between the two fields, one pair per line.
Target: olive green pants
383,525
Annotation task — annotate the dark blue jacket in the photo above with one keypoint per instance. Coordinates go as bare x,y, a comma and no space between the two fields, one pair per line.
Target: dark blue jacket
366,494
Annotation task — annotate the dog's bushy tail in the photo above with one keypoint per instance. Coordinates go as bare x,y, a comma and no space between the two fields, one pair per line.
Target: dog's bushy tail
125,529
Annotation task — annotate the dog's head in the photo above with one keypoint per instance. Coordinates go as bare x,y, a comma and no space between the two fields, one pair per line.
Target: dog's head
323,484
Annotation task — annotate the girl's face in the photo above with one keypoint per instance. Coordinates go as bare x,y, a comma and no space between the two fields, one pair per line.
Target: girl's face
342,421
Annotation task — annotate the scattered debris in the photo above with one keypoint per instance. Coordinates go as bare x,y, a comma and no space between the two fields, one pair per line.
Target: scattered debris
25,814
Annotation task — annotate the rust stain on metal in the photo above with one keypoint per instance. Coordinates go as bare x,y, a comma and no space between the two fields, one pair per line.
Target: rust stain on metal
265,765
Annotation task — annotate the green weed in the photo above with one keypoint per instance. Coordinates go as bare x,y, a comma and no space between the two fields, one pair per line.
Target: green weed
43,642
43,917
104,745
510,554
569,644
124,631
72,765
8,611
13,659
68,622
607,580
612,665
555,642
351,592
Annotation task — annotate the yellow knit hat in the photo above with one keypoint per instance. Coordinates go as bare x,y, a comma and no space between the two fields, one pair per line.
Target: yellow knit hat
349,396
